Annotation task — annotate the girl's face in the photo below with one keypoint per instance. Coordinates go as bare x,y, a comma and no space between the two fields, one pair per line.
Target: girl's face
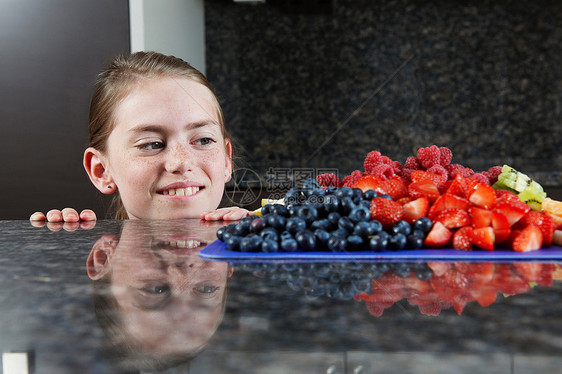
166,154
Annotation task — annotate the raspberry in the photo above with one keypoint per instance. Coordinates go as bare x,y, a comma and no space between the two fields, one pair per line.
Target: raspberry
352,179
493,173
405,173
439,170
481,178
446,156
429,156
329,179
412,163
463,172
373,159
383,172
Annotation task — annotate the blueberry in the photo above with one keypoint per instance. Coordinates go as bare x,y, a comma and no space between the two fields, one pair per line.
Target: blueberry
280,210
397,241
362,285
346,223
292,196
292,209
267,209
285,235
330,190
418,232
322,238
402,227
289,245
337,243
414,241
242,228
357,192
369,195
257,225
308,213
331,203
423,272
344,192
360,214
251,243
385,196
341,233
402,269
221,231
334,217
269,233
276,221
233,243
355,243
305,240
424,224
365,203
378,243
376,226
270,246
346,205
363,229
323,224
295,224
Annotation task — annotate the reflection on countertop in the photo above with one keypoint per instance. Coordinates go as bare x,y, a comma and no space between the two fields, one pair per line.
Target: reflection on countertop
134,296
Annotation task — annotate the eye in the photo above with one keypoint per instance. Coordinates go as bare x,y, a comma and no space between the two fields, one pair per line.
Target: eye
157,289
205,141
151,145
207,289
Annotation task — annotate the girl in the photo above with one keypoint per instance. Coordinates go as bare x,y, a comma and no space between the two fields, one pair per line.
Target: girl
157,140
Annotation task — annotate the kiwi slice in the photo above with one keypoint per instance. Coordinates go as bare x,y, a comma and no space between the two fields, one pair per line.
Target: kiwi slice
528,190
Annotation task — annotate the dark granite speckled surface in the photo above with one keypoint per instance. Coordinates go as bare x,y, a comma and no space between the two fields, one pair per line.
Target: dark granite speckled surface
319,84
269,325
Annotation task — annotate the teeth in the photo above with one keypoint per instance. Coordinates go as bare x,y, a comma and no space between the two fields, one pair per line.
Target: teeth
181,191
185,244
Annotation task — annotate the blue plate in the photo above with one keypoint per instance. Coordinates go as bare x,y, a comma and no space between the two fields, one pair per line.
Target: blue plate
219,252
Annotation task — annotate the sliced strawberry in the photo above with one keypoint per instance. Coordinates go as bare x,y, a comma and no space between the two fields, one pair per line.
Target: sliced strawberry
512,210
501,226
480,217
404,200
481,271
394,187
447,201
450,285
508,282
546,276
544,222
368,182
462,238
483,196
422,189
529,239
453,218
530,271
483,237
387,212
415,209
423,176
457,187
439,268
438,236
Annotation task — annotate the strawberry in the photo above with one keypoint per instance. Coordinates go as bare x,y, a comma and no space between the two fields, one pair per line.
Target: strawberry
439,268
511,207
453,218
368,182
544,222
447,201
530,271
501,226
529,239
462,238
415,209
483,196
419,189
404,200
457,186
480,217
426,177
484,238
387,212
394,187
438,236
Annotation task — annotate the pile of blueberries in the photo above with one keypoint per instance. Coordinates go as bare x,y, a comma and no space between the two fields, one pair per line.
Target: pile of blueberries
335,280
316,219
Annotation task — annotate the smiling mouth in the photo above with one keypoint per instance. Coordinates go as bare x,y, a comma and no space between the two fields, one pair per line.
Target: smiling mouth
189,244
188,191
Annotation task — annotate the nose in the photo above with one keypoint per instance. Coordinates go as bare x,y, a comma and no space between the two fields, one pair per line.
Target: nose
178,159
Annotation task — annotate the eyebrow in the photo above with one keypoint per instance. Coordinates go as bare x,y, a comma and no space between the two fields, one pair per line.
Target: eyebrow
160,128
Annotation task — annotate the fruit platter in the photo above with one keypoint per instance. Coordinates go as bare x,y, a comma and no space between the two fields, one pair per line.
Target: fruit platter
427,208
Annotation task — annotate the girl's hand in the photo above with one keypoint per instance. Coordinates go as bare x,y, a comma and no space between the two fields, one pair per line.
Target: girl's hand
65,215
226,214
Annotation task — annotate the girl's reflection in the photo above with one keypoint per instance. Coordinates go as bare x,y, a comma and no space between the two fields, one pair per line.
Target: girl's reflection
157,301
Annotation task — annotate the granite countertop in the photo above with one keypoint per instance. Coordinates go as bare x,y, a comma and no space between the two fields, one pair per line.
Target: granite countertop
135,296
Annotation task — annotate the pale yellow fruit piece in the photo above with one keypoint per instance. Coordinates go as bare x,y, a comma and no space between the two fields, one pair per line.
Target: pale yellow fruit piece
557,237
272,201
554,209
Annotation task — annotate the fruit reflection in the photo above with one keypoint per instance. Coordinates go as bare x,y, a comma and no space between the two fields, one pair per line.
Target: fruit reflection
454,284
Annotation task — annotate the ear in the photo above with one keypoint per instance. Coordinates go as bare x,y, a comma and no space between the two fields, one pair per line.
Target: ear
96,167
97,263
228,161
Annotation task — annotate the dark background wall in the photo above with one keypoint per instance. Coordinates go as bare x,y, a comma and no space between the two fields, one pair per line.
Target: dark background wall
50,54
319,84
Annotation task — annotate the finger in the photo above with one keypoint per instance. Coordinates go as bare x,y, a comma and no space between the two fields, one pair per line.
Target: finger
88,215
54,215
235,215
38,223
87,225
71,226
54,226
212,216
70,215
37,216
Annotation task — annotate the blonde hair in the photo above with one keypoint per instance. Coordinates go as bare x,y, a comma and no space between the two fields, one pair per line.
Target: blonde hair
118,80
